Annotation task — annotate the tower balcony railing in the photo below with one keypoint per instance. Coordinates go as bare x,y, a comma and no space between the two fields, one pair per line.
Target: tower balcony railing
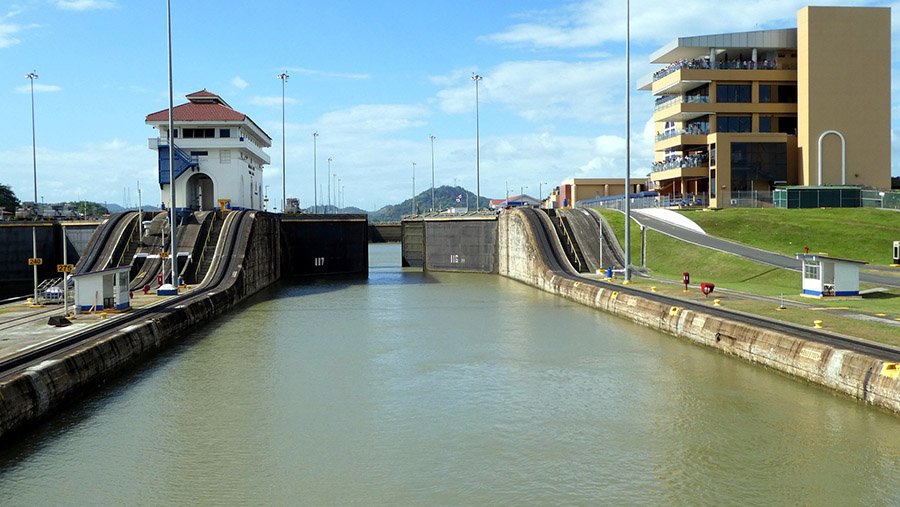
735,64
698,160
690,131
681,99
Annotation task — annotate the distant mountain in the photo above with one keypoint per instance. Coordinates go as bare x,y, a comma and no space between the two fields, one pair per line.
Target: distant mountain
444,198
334,210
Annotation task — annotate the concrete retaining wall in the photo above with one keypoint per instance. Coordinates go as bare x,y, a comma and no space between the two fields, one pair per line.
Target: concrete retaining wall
41,389
862,377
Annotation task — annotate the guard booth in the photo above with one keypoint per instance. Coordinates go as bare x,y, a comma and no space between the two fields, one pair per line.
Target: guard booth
825,276
102,290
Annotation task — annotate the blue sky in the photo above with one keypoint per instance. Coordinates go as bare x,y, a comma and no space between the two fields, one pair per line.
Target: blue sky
374,78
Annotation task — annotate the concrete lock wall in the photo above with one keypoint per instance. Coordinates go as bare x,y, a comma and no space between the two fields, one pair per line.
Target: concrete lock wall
857,375
465,244
42,388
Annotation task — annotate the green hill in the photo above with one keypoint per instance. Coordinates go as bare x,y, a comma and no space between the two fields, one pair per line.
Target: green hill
444,198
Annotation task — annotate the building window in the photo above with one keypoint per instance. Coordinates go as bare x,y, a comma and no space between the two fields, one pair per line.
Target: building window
733,93
787,125
811,271
199,133
781,94
765,123
224,132
712,183
176,132
712,154
734,123
199,153
224,156
757,166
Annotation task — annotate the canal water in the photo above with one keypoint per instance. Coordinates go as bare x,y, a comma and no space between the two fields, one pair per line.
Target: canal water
450,389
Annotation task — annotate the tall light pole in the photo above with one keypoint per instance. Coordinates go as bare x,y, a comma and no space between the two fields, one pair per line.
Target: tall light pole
329,185
315,173
414,189
32,76
172,224
432,171
340,196
283,77
628,141
541,193
334,183
477,78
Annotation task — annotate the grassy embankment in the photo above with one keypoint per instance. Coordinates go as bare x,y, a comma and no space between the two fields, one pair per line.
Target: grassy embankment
667,258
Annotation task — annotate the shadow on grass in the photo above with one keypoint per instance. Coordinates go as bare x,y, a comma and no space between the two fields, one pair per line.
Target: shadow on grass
880,295
763,273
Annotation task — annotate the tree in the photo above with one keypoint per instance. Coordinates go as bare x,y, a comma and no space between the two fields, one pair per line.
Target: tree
8,199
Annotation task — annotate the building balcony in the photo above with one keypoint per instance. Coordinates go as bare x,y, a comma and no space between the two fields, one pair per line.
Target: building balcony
677,173
686,162
215,143
680,99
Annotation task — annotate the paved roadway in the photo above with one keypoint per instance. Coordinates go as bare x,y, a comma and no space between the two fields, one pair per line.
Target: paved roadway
751,253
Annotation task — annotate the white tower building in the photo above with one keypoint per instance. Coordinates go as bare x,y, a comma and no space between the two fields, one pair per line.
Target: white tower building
218,154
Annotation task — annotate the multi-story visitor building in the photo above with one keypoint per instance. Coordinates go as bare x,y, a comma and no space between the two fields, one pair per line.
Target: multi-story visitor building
744,112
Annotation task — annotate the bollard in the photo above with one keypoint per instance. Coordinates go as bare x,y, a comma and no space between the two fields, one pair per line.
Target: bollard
817,324
716,302
653,289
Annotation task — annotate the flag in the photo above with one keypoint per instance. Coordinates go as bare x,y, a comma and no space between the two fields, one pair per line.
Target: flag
459,198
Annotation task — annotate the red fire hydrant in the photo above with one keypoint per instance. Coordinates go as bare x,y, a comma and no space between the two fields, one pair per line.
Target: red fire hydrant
146,289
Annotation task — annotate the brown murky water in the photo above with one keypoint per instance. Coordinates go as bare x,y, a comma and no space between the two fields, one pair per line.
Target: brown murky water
411,388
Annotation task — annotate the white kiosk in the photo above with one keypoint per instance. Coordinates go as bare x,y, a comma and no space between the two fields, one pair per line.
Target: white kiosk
102,290
825,276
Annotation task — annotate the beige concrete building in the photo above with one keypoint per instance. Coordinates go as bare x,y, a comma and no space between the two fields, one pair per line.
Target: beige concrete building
744,112
573,190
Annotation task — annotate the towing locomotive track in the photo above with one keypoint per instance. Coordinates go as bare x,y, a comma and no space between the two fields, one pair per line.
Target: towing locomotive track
16,363
554,255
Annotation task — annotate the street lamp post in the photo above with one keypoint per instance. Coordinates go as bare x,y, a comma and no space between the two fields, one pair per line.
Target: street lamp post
315,173
283,77
334,179
32,76
414,189
477,78
340,196
432,171
541,193
329,186
171,134
628,141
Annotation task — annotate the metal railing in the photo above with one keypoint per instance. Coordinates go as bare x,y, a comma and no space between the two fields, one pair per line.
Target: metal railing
681,99
681,162
751,199
682,132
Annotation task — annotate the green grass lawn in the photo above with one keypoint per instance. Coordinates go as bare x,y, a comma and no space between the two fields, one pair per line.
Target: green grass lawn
865,234
668,258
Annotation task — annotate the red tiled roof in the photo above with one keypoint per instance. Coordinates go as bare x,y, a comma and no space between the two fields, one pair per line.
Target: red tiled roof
202,93
203,106
198,112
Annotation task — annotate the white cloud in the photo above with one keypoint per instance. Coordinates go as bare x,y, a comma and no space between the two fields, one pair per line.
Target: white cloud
373,120
38,88
546,90
271,100
66,175
592,23
8,35
84,5
239,83
325,73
